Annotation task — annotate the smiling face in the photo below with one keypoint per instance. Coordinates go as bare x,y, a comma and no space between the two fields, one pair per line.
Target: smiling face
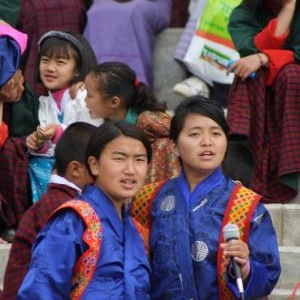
57,71
121,169
202,145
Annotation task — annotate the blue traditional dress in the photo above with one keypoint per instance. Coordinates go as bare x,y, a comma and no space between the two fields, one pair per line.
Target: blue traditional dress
121,271
185,238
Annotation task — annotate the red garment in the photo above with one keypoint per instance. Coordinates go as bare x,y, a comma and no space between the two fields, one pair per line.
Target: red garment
266,42
39,16
267,118
3,133
30,225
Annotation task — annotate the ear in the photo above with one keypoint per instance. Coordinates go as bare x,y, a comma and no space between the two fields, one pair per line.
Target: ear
94,165
74,169
114,102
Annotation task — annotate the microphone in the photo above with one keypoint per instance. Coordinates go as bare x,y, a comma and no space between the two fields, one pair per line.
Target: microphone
231,232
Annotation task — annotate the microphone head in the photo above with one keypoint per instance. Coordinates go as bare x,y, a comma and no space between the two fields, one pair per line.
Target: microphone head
231,232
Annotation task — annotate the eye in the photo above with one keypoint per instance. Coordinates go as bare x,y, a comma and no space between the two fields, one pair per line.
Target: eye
141,159
217,133
194,134
44,59
118,158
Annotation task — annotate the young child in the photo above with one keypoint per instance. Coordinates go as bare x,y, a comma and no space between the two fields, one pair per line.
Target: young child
12,45
64,59
91,249
115,93
71,176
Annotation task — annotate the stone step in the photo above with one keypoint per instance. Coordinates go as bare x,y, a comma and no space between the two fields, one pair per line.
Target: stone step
4,251
282,294
290,262
286,222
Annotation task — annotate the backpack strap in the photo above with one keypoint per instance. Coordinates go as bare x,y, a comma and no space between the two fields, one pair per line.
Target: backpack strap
86,264
142,202
239,211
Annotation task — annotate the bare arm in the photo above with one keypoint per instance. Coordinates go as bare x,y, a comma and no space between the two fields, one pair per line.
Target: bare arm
285,17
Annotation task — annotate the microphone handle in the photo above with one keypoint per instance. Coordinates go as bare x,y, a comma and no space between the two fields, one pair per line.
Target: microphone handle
238,275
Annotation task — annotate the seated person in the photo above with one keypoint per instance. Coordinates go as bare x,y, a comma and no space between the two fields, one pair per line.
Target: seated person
263,113
124,31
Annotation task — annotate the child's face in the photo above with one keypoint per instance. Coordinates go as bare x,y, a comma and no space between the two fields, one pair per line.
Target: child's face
57,72
12,91
121,169
96,103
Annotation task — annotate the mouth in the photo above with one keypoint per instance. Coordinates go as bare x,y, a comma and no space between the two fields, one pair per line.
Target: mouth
206,154
128,184
50,77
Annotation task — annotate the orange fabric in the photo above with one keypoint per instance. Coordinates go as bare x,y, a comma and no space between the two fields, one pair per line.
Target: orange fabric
86,264
3,133
239,211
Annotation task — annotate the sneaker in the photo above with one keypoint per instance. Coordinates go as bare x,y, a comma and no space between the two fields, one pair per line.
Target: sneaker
192,86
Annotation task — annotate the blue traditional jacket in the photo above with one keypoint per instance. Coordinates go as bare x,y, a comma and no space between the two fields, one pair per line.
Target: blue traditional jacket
122,269
184,242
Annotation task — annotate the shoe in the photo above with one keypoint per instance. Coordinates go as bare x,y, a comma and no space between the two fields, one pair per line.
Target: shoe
191,87
8,234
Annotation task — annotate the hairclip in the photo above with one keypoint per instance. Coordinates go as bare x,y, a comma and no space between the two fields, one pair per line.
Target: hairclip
62,35
137,82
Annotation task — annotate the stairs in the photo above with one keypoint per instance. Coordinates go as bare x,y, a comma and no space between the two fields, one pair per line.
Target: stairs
286,221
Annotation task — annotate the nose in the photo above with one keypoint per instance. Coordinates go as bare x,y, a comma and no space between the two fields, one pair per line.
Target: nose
206,139
129,166
50,66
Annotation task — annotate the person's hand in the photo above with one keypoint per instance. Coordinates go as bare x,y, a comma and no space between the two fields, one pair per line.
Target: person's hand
244,66
239,250
33,142
47,133
75,87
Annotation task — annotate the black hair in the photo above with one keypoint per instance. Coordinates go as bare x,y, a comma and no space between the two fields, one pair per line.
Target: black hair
197,105
72,145
118,79
109,131
85,58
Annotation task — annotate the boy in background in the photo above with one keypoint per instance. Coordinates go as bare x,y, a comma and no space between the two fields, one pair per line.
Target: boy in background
70,177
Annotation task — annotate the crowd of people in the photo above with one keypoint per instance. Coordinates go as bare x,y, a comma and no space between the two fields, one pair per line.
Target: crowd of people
104,193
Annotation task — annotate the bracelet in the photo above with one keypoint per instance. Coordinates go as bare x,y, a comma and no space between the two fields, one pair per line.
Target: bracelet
262,64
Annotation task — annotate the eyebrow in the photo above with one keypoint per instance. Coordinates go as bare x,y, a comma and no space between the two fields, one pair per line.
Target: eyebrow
124,154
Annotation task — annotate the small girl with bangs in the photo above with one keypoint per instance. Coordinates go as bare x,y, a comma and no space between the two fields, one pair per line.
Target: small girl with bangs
65,58
115,93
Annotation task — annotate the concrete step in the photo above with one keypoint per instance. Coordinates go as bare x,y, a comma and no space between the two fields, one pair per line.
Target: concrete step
286,222
282,294
4,251
290,262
